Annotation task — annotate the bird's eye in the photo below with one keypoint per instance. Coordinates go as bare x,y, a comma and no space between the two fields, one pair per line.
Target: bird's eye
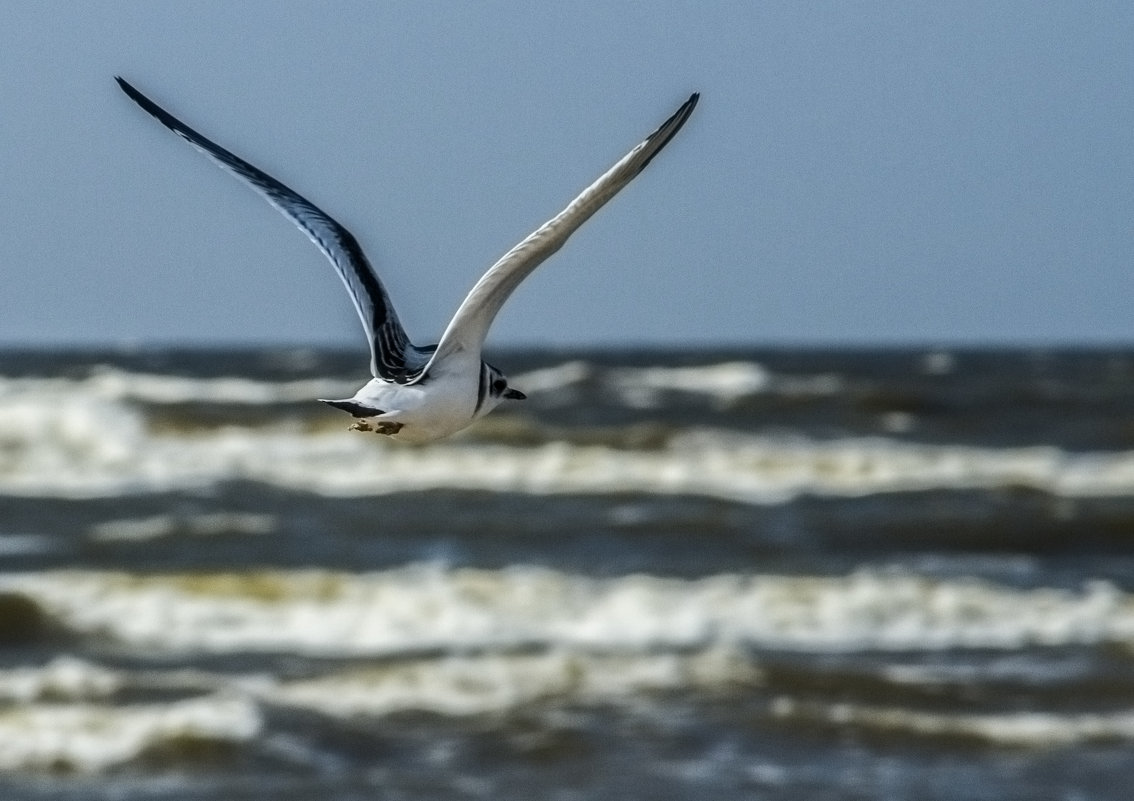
498,385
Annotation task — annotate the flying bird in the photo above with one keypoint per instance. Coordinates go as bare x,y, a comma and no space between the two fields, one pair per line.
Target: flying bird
420,394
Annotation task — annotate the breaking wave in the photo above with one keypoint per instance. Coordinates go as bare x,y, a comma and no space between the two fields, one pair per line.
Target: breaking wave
429,608
95,443
91,737
84,448
1040,730
116,432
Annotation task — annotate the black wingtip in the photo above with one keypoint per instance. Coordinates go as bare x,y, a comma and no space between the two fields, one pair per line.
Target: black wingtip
668,129
125,86
164,117
137,96
687,108
678,118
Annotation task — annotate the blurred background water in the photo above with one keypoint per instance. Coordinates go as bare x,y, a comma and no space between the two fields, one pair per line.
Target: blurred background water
809,574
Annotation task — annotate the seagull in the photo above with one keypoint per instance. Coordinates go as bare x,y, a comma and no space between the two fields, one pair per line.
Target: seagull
422,394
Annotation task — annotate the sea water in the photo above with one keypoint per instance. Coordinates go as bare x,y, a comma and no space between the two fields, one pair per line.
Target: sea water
743,574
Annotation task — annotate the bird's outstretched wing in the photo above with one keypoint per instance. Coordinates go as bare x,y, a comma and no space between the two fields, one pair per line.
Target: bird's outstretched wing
469,326
392,357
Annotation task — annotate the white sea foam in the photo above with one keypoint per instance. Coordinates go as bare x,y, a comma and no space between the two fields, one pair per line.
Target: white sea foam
498,683
427,608
80,446
449,684
168,525
114,384
72,726
554,379
938,362
77,444
642,387
90,737
1012,729
64,678
725,382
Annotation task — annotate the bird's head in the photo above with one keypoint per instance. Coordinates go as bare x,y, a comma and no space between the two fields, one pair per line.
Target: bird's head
498,388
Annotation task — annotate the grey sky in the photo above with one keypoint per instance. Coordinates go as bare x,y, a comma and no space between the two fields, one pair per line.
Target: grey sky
855,172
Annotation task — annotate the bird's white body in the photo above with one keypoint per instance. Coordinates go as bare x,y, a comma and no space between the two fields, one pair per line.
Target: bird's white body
425,411
424,394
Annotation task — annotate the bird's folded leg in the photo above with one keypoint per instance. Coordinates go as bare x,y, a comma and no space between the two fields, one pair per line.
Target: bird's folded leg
386,427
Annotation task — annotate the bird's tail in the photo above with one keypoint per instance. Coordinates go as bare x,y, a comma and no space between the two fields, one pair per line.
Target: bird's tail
352,406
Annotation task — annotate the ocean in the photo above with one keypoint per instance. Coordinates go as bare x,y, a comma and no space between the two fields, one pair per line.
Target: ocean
813,574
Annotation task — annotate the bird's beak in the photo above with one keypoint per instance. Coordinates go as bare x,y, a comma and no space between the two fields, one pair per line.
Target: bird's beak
515,394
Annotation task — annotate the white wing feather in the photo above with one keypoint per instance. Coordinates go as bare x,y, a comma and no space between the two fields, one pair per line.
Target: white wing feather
469,326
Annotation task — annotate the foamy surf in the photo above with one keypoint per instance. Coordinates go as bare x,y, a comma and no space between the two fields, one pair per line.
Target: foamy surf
114,384
78,447
494,684
430,608
90,737
63,678
84,730
101,435
173,525
723,382
1036,730
924,588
